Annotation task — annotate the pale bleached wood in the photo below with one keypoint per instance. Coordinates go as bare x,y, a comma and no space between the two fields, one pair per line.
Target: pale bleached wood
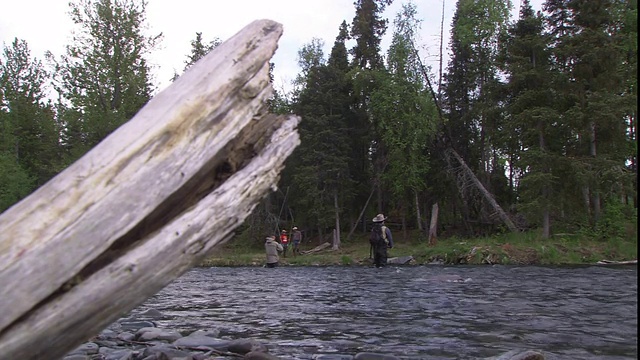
145,204
433,226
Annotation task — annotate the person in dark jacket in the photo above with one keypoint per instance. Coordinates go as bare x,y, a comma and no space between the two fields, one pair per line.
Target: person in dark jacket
381,241
272,247
296,237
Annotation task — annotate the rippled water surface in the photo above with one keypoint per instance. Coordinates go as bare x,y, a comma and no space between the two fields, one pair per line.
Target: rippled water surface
422,312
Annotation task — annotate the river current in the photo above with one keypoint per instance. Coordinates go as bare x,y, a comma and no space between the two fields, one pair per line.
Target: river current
412,312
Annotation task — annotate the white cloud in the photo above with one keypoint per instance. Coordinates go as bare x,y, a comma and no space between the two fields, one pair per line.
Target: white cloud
46,25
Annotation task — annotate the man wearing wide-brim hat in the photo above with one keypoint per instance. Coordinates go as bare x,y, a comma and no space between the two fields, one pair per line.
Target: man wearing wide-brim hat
381,240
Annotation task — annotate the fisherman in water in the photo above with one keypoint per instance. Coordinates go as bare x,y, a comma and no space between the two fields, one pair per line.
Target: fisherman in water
380,240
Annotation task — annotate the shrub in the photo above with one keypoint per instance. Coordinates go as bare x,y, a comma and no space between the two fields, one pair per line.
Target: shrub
614,219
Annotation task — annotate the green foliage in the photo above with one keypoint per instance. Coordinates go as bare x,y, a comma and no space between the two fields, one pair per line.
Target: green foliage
544,114
367,29
15,183
320,168
510,248
310,56
198,50
346,260
473,97
550,255
28,131
404,113
616,215
104,76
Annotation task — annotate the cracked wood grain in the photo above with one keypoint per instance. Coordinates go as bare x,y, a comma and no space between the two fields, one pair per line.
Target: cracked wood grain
145,204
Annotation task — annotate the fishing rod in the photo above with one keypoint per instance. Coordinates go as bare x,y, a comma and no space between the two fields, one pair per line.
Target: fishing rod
277,229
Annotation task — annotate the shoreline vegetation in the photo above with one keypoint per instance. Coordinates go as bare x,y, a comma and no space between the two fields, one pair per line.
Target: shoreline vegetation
526,248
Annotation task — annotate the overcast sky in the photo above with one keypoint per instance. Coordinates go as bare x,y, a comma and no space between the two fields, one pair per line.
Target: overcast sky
46,25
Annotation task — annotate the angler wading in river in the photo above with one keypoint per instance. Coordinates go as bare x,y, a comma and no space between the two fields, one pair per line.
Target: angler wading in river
380,240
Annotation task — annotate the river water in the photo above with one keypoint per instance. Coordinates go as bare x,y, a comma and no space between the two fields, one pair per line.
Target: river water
412,312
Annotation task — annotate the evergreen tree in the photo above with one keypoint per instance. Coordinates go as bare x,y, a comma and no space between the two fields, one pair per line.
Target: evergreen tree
532,133
626,29
320,165
474,114
104,77
28,132
367,30
198,50
15,182
587,53
406,115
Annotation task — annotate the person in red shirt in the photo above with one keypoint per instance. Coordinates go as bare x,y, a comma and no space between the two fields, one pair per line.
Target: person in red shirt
284,241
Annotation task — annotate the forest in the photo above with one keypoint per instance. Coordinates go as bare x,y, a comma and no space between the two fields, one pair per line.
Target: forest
530,126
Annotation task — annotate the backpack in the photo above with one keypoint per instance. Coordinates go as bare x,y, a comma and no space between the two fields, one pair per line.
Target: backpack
378,237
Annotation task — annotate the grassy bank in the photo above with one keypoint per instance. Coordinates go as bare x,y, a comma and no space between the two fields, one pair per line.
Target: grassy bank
523,249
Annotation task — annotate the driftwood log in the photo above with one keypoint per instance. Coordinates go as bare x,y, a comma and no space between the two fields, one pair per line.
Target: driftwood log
146,204
316,249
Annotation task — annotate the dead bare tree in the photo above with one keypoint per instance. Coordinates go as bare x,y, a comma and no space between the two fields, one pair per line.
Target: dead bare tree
459,169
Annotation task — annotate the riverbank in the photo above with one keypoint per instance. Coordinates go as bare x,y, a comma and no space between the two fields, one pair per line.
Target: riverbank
508,249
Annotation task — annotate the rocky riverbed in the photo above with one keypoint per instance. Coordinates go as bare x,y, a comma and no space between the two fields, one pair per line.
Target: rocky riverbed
141,339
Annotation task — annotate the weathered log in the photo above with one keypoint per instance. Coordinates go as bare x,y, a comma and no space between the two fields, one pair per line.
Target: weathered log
316,249
612,262
146,204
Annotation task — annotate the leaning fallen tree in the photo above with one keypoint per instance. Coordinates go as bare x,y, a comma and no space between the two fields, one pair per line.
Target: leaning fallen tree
456,166
146,204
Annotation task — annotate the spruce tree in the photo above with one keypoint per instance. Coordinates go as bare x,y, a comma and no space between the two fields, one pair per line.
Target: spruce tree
28,131
367,29
532,132
587,53
198,50
104,76
470,98
320,165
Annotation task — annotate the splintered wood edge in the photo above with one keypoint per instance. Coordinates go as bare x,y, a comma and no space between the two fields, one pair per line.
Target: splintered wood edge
58,326
42,255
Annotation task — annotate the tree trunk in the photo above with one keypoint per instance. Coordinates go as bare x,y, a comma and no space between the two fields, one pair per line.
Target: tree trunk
440,55
503,216
546,224
146,204
546,191
360,217
336,234
418,215
433,226
405,234
378,188
596,191
586,198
